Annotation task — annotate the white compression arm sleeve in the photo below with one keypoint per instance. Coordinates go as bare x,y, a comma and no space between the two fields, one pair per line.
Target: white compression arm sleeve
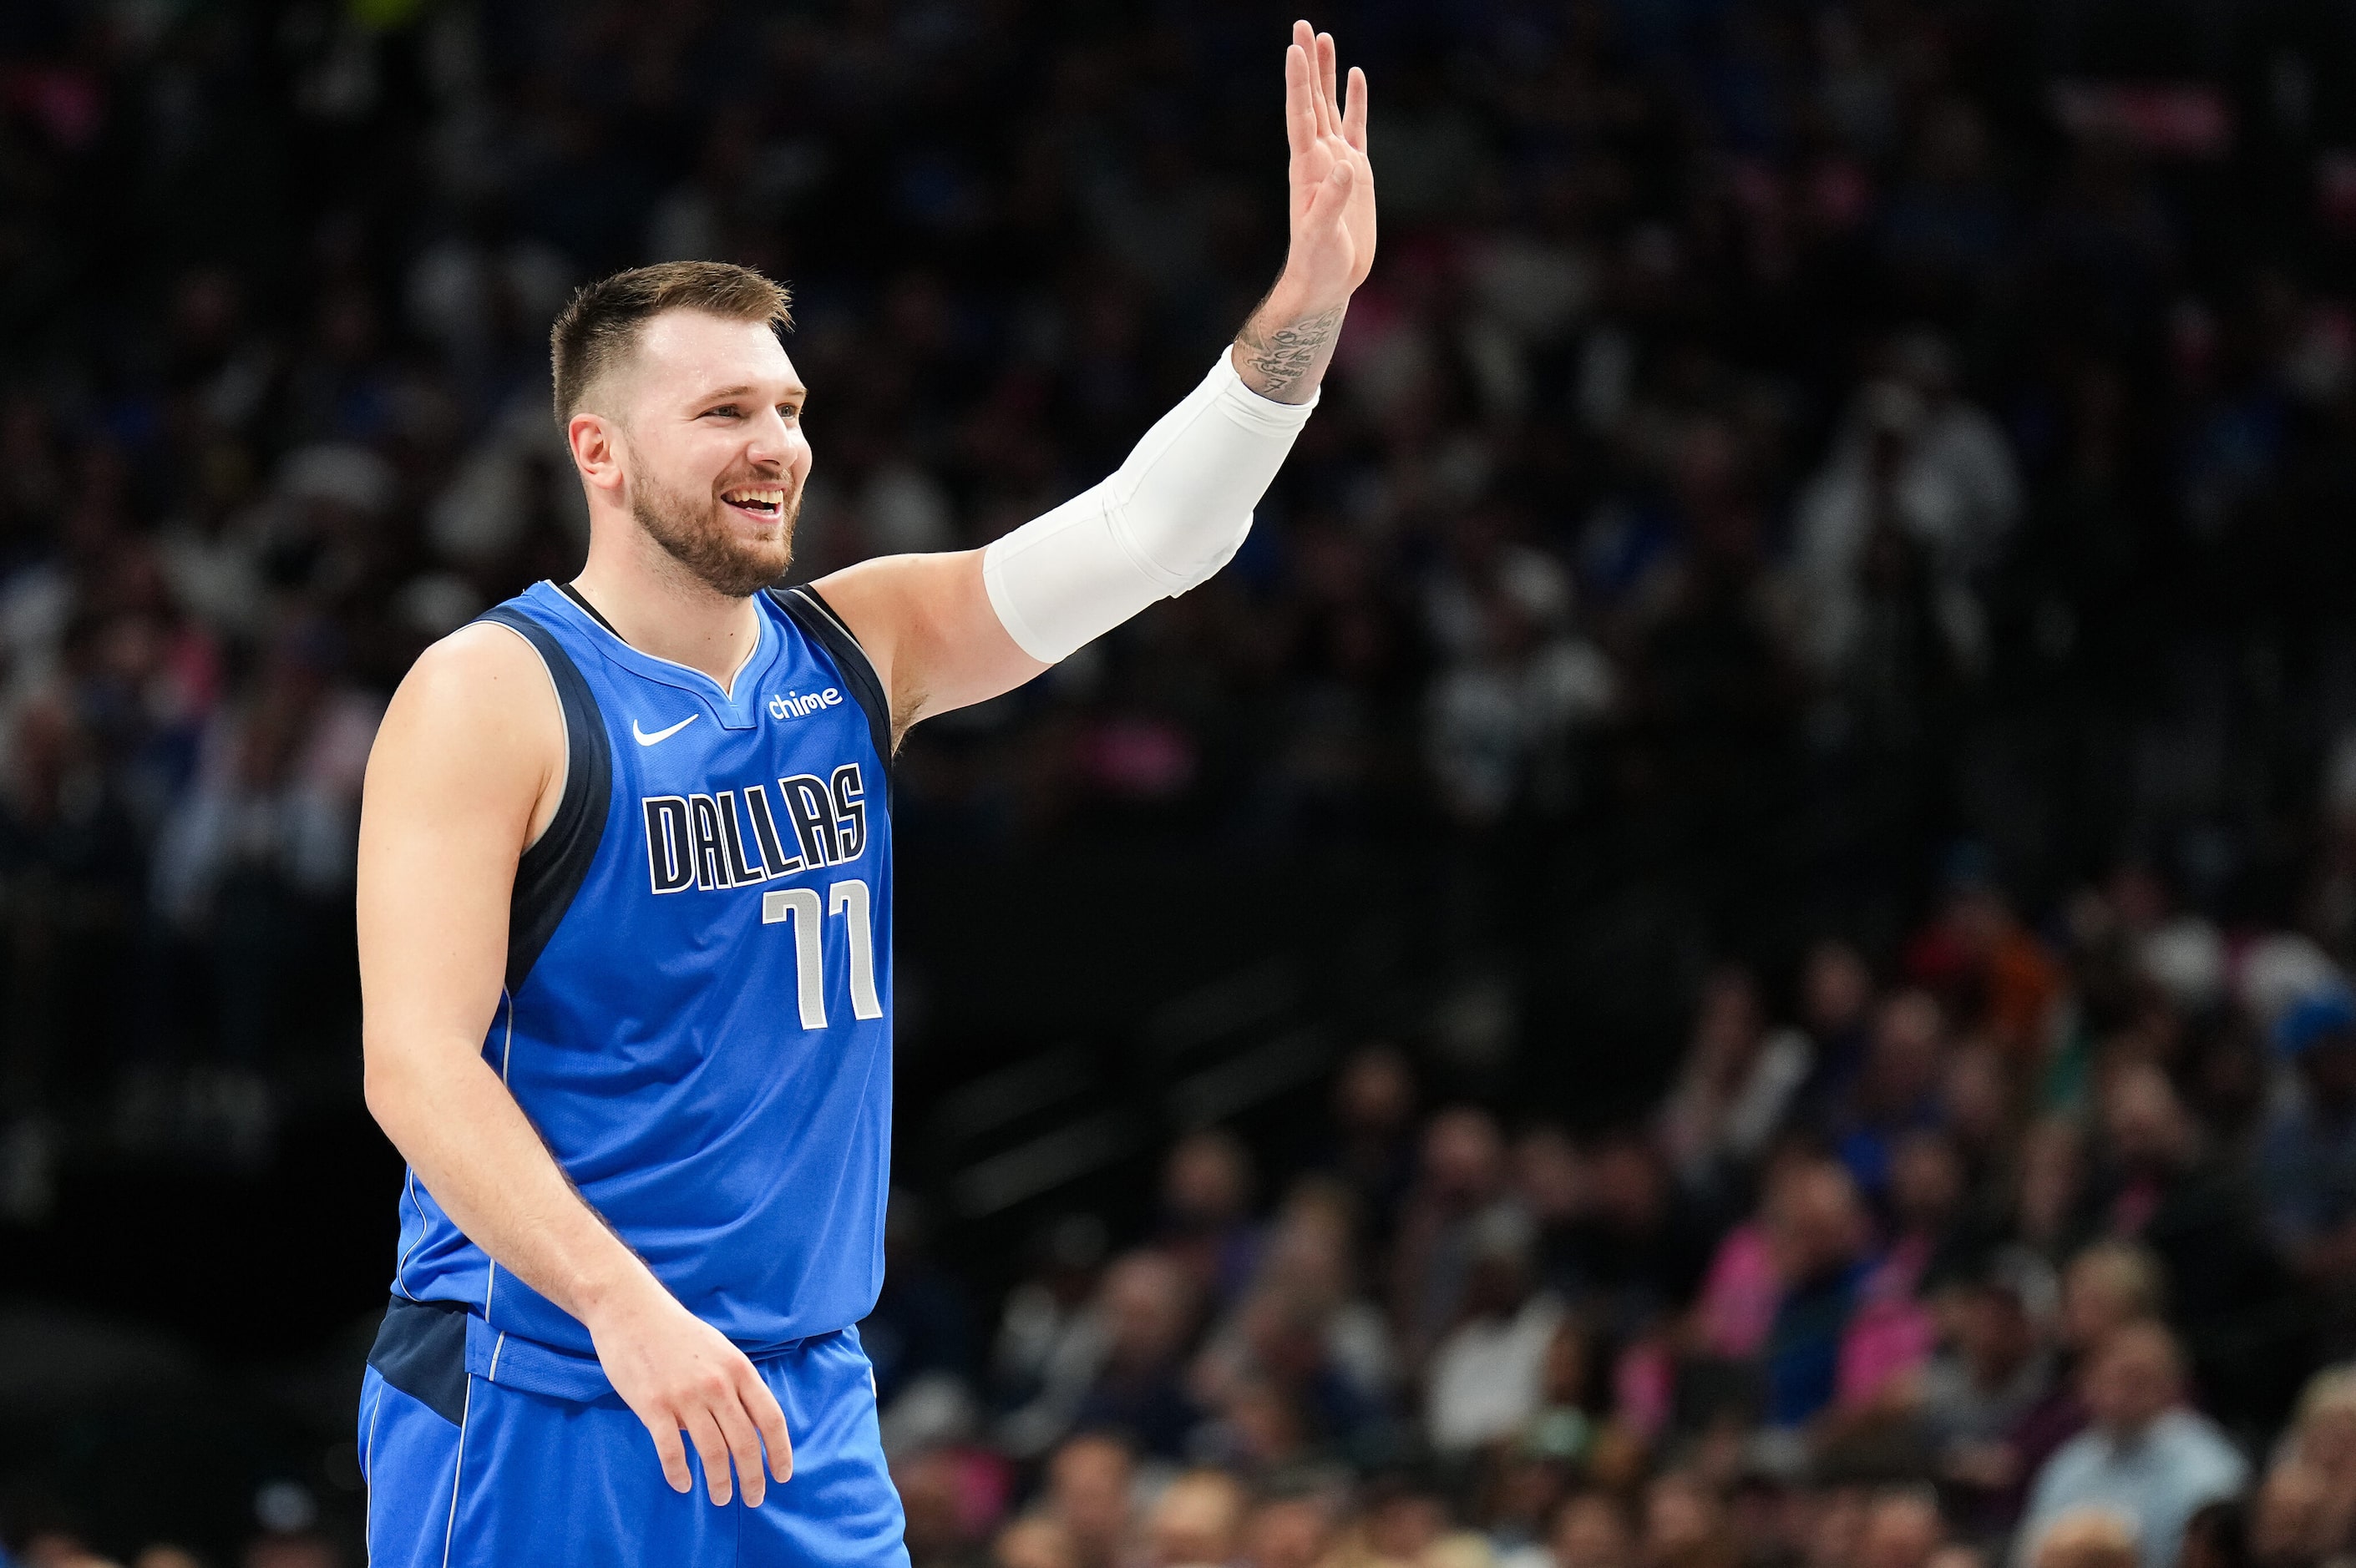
1172,515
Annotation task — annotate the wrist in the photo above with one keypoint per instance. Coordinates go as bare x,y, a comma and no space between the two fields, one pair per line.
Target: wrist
1293,299
1281,354
615,1287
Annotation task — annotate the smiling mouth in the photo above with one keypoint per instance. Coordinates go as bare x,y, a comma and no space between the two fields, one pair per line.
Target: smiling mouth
766,502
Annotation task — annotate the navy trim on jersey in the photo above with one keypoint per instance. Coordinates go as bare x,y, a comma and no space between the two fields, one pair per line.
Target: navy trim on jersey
591,610
421,1350
551,869
816,617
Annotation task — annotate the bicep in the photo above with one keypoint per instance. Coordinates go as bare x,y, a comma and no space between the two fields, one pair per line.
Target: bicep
927,623
455,783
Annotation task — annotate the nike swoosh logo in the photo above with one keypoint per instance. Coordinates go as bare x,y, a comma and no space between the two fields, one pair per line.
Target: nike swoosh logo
659,736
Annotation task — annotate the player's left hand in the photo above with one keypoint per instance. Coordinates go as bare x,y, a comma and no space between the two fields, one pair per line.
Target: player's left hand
1332,185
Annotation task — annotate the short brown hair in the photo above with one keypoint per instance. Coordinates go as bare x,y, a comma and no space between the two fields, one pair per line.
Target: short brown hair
599,325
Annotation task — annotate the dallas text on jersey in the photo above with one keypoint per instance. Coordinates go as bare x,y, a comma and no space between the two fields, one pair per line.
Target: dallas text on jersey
730,838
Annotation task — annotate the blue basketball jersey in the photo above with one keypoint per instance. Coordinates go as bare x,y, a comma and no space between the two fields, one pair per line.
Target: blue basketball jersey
698,1009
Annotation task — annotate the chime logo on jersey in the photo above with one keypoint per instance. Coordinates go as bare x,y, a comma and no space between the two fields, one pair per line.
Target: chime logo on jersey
793,704
733,839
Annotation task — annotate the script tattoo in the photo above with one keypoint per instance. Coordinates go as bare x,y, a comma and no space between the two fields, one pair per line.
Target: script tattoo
1279,359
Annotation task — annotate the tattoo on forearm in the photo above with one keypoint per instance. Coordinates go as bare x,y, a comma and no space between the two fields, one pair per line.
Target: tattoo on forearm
1279,359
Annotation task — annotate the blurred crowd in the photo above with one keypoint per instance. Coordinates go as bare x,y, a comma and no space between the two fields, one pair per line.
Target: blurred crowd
1872,469
1886,1282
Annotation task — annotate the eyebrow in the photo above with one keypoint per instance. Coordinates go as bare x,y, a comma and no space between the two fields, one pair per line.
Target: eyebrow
792,389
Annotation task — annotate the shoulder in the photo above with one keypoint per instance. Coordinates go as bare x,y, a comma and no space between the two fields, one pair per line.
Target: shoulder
2202,1446
2073,1459
479,702
479,662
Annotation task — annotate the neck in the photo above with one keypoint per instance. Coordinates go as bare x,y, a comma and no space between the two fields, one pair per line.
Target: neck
658,607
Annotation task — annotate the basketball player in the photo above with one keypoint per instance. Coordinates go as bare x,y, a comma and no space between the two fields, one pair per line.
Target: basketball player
625,921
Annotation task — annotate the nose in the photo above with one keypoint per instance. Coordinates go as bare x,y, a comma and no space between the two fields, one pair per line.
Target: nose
766,441
772,441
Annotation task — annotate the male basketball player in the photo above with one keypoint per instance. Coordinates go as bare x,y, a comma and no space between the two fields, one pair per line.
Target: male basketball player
625,921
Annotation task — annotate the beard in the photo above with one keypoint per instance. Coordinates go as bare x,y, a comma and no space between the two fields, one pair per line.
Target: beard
698,533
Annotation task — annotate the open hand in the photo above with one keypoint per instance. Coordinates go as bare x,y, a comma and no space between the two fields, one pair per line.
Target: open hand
1333,186
678,1373
1283,350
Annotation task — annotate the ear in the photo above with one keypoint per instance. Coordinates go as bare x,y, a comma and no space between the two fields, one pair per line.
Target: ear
596,446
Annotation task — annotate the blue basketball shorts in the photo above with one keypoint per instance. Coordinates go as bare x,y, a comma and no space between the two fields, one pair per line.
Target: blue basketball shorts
480,1449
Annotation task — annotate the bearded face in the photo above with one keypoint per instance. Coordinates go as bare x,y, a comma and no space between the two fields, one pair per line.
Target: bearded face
737,538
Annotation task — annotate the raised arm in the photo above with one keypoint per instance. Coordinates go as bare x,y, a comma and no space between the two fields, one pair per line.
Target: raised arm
468,770
947,630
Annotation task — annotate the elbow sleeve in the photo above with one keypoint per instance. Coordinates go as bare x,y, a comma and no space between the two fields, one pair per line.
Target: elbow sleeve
1172,514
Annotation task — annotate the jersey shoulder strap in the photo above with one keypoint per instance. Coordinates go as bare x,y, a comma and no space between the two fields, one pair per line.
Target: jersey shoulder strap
551,869
819,622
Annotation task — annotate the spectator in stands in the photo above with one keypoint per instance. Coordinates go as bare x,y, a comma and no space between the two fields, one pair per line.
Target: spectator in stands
1300,1359
267,837
1896,1093
1684,1526
1206,1226
1737,1084
1196,1523
2105,1288
2217,1536
2087,1537
2048,1207
1402,1518
938,1531
1975,1395
1932,1239
1149,1310
1591,1530
1818,1231
1034,1540
1289,1530
1837,1012
2307,1160
2310,1494
2197,1214
1977,1098
2145,1455
1089,1498
1902,1530
1736,1307
1049,1335
1641,1243
2290,1523
1517,686
1488,1374
1459,1180
1994,978
1373,1152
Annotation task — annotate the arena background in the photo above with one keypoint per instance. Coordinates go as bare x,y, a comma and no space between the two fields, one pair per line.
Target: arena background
1802,473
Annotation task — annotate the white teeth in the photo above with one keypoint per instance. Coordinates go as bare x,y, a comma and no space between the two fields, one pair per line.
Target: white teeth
755,498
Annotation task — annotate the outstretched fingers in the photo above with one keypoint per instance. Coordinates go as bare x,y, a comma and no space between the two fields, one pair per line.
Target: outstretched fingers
1304,38
1301,127
1327,63
1353,113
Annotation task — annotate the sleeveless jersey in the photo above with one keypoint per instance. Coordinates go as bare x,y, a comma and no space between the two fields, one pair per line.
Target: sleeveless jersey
698,1009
